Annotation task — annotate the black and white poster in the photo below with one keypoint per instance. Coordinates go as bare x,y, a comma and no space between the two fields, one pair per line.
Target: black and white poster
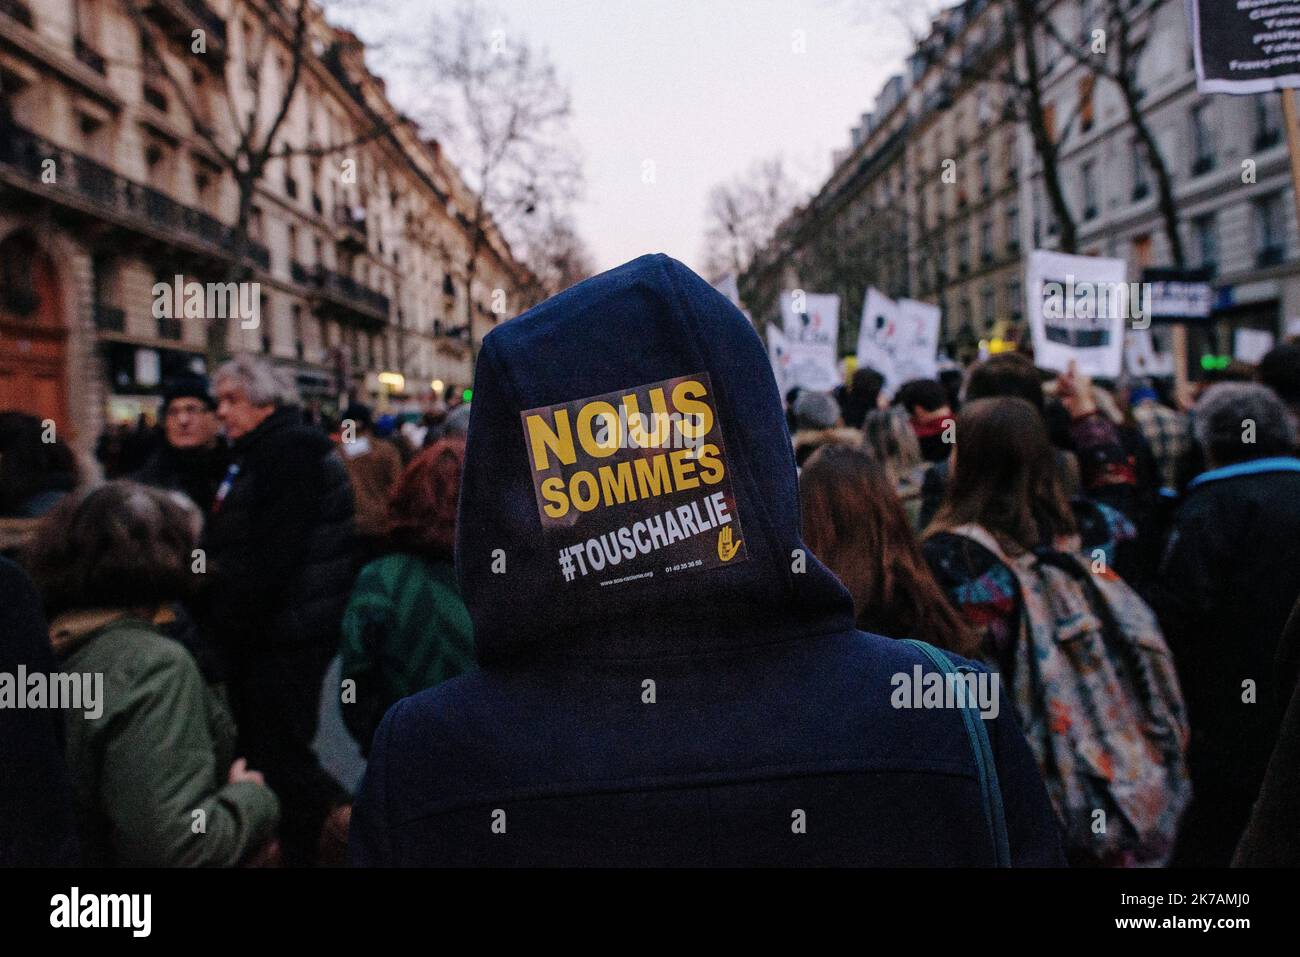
1245,46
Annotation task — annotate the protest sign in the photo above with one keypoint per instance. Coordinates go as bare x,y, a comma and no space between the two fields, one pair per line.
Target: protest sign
1251,345
634,484
810,322
1244,46
899,340
1078,307
778,353
1141,357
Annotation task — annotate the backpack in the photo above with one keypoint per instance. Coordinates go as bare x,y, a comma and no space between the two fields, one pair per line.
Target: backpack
1098,699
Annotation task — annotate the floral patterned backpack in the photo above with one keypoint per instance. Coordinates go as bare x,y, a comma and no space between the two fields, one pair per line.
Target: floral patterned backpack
1098,699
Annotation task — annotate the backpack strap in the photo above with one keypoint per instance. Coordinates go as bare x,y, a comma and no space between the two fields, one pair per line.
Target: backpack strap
982,749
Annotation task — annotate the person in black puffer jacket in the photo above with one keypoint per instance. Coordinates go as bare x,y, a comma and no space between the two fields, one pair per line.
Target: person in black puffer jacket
281,556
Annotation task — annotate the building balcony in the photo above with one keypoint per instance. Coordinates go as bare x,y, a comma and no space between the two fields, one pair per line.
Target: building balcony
155,96
300,274
342,295
180,18
95,192
90,56
352,229
356,295
109,318
17,10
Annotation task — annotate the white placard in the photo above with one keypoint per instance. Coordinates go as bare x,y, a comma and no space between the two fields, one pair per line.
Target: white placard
779,355
1141,357
1078,307
1251,345
900,340
811,325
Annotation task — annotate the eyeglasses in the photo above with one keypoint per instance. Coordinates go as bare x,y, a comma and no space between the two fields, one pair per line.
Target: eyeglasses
176,410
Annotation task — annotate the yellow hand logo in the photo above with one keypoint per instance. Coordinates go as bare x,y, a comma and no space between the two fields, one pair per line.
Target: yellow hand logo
726,550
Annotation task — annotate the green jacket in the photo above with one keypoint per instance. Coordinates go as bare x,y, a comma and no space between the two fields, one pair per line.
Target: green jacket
405,629
160,751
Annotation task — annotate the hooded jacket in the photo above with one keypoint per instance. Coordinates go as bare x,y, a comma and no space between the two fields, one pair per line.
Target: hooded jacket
705,698
160,750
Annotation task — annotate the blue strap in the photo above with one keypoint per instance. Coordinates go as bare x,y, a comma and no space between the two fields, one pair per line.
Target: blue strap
1256,467
986,767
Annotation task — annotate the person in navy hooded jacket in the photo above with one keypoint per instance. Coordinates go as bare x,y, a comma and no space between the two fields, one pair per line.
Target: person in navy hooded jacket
667,676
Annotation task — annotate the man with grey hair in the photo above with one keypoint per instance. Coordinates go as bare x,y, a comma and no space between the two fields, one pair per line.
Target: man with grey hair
1229,578
280,553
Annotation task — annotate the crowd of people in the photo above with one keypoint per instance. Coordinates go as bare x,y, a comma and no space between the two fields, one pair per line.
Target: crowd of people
1125,561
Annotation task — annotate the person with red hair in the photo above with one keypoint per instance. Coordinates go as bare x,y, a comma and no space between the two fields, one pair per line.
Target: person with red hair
405,628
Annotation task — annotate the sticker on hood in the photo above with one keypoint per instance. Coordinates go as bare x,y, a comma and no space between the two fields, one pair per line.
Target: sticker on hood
634,484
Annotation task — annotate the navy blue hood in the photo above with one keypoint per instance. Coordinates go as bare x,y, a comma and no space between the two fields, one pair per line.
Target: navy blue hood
669,551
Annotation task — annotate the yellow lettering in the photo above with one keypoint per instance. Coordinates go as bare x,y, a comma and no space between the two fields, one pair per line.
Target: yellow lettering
652,476
586,436
624,489
584,504
711,462
541,437
697,417
557,502
636,424
683,470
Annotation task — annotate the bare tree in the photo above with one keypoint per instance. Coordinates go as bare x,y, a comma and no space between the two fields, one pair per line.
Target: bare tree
555,254
1116,58
503,112
257,110
1008,61
743,215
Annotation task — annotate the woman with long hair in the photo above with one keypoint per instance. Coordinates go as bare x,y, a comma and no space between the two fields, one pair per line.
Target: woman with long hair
405,628
1006,480
855,524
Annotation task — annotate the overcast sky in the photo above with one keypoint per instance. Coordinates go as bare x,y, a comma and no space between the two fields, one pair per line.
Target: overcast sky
700,87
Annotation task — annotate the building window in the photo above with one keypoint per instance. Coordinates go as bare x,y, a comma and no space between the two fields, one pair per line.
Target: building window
1013,228
1088,174
1268,120
1202,139
986,183
963,251
1141,171
1204,228
1270,231
989,305
1013,298
1142,251
299,346
1086,113
986,241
